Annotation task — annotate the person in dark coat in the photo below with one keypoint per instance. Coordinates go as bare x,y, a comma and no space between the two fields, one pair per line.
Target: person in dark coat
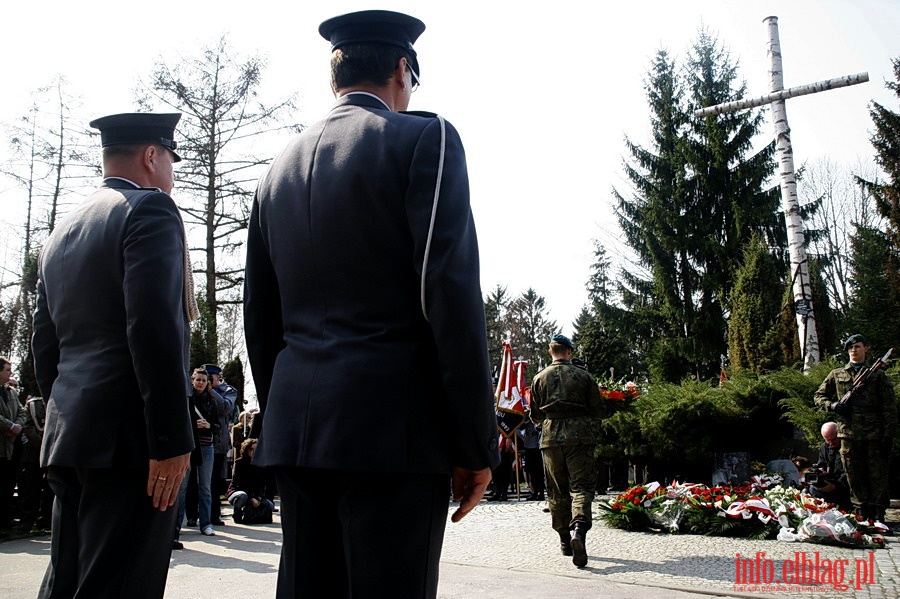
204,416
248,482
365,328
110,356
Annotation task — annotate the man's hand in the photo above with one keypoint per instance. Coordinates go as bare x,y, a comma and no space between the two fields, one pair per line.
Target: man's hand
828,487
842,409
14,430
164,480
468,489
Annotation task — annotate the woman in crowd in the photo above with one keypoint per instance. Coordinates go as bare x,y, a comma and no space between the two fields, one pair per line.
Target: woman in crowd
206,425
247,492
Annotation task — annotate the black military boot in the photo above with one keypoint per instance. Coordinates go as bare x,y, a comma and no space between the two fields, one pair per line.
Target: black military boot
565,543
579,553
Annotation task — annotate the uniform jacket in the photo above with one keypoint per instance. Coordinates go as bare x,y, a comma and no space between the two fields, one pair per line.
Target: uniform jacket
349,372
10,414
874,407
566,404
225,396
110,332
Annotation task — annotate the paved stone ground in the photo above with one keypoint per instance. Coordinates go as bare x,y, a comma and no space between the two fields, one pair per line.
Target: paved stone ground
500,548
517,536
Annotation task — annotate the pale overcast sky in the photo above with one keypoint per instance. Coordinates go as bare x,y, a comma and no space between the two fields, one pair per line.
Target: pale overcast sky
542,93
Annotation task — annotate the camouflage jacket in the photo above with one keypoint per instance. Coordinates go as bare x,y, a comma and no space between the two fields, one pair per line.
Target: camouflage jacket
566,403
873,413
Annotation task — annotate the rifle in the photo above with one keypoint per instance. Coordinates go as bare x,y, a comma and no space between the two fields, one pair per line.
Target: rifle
864,376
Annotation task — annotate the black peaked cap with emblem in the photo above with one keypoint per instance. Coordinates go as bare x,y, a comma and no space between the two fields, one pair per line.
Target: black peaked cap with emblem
139,127
374,26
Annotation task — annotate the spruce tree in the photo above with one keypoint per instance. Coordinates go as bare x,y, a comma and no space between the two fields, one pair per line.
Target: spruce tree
877,284
727,189
655,223
602,337
873,310
530,330
495,307
755,326
698,198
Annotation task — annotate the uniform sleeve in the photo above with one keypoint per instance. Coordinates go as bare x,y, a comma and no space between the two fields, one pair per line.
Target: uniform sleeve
44,343
153,285
224,401
596,403
825,394
534,408
451,294
263,326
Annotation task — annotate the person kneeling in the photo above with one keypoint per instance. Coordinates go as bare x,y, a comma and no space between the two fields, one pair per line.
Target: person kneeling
247,492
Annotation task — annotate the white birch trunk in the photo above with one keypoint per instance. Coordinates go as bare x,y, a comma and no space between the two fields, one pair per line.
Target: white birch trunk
784,94
806,322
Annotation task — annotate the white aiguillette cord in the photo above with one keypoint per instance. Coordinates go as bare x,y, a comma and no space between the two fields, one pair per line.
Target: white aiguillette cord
437,194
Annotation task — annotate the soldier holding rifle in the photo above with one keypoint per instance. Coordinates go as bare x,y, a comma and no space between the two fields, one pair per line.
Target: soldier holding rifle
861,397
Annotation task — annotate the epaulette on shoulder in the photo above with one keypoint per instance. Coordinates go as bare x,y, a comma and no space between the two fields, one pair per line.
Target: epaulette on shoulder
421,113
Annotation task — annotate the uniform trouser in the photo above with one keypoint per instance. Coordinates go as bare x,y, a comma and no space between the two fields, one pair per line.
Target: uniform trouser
108,541
35,496
867,469
571,479
218,487
359,535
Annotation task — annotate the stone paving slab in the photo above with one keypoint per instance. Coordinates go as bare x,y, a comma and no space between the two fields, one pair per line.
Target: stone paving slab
499,548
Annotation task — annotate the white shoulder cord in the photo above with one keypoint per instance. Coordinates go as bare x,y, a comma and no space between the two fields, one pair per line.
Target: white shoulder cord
437,194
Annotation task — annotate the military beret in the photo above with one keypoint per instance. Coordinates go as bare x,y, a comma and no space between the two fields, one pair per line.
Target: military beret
856,338
212,369
139,127
562,340
374,26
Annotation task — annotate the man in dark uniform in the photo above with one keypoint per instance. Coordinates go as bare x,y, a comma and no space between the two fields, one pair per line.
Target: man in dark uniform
865,426
110,354
566,404
365,329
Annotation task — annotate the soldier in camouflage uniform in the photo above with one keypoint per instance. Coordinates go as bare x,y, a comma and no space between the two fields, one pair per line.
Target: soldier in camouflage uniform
565,403
866,428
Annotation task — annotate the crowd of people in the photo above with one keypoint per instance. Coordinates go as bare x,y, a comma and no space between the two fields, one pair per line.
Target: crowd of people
221,462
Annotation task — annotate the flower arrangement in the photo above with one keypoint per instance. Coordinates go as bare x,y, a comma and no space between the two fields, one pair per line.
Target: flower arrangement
619,390
759,509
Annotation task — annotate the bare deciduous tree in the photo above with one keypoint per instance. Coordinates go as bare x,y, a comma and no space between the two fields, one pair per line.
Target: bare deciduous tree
217,93
844,205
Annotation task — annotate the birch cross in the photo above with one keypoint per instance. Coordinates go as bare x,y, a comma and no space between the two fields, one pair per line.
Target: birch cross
802,290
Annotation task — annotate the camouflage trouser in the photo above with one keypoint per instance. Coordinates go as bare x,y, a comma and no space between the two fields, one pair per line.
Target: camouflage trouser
867,471
571,481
